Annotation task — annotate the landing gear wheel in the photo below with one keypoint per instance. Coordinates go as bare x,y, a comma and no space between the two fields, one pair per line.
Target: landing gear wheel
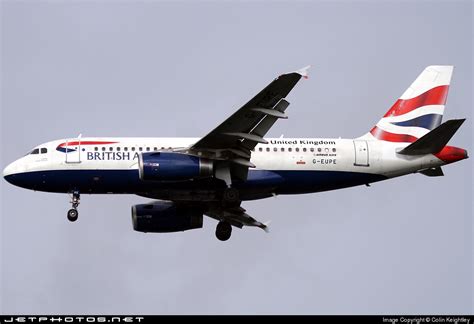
72,215
223,231
230,195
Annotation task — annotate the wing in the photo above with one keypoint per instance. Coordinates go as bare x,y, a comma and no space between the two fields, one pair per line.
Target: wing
236,216
234,139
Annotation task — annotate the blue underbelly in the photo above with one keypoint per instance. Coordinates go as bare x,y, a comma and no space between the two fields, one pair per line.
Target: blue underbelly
127,181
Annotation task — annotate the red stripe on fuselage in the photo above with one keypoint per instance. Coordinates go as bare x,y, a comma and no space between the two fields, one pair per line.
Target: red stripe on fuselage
435,96
391,137
85,143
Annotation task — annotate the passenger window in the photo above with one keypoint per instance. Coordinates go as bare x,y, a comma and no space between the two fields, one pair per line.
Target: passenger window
260,149
275,149
96,148
125,148
133,149
283,149
140,149
155,149
312,149
118,148
268,149
35,151
319,149
304,149
148,149
162,148
44,150
103,148
334,149
290,149
111,148
297,149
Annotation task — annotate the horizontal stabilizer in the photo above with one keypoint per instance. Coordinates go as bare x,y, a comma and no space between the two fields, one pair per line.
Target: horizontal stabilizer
433,172
434,141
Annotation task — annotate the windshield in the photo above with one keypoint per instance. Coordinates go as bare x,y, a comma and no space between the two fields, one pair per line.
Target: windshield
35,151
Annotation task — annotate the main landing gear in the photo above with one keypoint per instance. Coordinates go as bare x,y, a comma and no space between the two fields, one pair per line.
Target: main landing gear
223,231
72,213
230,198
230,195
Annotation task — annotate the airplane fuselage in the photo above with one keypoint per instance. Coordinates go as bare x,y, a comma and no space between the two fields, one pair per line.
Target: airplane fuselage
283,166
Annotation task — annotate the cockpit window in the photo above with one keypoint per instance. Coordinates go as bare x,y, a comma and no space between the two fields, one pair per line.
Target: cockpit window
44,150
35,151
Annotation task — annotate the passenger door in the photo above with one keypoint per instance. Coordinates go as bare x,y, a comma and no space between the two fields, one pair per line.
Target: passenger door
73,150
361,153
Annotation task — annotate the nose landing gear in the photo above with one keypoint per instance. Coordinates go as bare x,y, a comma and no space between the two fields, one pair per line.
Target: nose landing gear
72,213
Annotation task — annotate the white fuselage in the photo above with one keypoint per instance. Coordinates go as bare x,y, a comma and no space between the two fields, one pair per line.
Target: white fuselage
295,160
292,154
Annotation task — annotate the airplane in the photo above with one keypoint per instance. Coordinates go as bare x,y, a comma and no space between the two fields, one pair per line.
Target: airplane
188,178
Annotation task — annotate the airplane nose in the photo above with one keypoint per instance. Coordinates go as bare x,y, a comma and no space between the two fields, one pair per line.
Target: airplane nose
14,173
9,171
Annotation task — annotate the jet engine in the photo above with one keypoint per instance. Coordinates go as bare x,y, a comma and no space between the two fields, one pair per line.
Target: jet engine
169,166
165,217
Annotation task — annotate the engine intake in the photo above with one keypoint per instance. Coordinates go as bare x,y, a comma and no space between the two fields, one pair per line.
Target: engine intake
172,166
165,217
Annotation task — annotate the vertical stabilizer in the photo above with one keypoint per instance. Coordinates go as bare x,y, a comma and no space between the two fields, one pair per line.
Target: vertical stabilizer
418,110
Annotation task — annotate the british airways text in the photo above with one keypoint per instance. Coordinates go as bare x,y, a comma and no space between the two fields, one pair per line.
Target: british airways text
114,156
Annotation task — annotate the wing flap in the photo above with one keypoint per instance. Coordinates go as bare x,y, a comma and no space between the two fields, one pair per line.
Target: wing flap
236,216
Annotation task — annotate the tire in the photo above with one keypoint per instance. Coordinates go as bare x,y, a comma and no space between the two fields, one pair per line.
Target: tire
223,231
72,215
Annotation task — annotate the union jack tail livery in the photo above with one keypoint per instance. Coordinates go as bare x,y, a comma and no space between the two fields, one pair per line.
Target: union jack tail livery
419,109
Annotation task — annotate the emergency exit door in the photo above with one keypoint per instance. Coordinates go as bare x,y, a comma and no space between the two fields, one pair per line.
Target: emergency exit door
361,153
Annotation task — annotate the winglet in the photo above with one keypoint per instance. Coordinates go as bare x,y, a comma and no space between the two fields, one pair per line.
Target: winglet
304,71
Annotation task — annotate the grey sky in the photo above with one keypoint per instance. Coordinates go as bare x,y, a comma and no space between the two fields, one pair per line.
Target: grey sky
161,69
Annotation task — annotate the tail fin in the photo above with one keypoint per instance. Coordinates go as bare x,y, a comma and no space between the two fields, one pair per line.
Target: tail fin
419,109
